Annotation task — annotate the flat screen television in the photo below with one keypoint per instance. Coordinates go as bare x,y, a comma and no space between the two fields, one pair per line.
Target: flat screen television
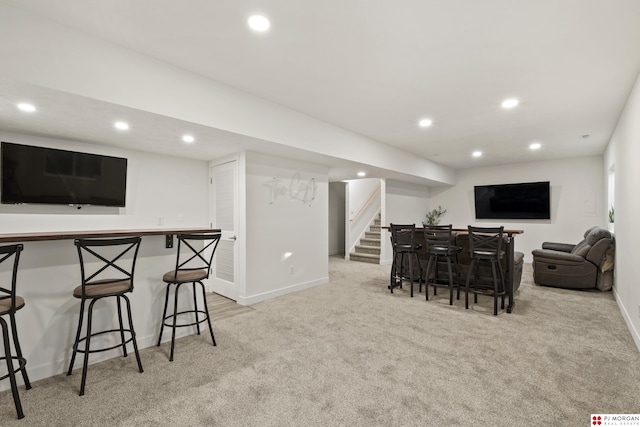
49,176
529,200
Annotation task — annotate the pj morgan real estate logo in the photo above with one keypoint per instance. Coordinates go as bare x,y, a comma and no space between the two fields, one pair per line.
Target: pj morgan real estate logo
615,420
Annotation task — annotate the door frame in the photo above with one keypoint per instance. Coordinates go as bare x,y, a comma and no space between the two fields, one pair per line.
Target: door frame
239,289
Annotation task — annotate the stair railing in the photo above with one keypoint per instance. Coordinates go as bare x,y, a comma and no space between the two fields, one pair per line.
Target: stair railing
366,203
358,223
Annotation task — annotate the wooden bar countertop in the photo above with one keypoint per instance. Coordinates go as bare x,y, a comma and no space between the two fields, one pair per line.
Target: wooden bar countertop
505,231
62,235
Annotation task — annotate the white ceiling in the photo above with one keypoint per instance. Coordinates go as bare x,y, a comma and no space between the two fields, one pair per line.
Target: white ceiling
377,67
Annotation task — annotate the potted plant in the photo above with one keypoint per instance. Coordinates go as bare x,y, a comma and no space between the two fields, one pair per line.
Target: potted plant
434,215
611,214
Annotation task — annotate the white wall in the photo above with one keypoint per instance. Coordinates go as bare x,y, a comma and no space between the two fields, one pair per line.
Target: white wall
43,53
577,199
287,240
336,217
623,154
404,203
156,186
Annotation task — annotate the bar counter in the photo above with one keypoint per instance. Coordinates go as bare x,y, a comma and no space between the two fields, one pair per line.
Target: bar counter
47,275
62,235
510,236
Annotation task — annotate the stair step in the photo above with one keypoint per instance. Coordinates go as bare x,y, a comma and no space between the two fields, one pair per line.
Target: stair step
375,228
369,242
372,259
372,235
364,249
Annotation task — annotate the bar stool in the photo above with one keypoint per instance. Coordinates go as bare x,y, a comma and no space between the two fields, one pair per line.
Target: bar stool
485,245
193,265
439,244
9,304
98,256
403,244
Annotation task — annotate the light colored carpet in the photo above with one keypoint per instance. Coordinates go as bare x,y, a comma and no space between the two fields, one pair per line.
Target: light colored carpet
350,353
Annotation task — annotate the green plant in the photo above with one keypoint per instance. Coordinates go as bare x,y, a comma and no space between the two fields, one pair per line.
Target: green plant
434,215
611,214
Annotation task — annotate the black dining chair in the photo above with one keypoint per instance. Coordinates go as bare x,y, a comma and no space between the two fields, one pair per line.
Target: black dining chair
438,239
405,249
193,265
485,246
10,303
107,268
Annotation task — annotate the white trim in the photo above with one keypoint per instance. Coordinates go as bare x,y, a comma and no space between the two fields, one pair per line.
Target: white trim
253,299
635,334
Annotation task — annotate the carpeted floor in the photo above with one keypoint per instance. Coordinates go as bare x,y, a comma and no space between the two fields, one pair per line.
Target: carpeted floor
350,353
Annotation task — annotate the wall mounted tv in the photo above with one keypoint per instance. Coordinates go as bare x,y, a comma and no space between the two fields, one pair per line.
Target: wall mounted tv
530,200
49,176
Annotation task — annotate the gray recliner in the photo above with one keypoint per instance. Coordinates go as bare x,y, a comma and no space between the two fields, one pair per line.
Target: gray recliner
586,265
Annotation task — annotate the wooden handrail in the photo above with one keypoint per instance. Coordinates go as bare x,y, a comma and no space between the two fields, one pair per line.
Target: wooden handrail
366,203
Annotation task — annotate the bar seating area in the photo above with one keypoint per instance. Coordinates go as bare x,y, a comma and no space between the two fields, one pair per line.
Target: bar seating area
107,265
479,260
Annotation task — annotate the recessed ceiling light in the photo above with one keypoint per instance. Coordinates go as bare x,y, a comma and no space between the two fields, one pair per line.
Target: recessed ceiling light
361,174
476,153
188,139
510,103
535,146
26,107
121,125
425,123
259,23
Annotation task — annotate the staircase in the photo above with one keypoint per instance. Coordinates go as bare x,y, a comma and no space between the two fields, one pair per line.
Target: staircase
369,248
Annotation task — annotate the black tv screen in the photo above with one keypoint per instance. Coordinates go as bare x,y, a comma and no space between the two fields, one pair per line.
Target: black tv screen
48,176
530,200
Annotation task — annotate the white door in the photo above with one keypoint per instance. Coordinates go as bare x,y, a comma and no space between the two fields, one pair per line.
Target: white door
224,215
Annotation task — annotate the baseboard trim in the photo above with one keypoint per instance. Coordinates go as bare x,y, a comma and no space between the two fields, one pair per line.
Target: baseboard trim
627,318
253,299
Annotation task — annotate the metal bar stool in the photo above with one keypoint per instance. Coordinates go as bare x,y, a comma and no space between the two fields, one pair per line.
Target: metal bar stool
98,256
9,304
439,244
485,245
403,243
193,265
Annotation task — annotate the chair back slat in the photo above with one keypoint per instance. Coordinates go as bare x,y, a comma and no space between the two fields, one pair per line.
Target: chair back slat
402,234
195,252
438,236
488,239
107,260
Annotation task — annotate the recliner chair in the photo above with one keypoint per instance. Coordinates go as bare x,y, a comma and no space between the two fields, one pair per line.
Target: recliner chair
586,265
